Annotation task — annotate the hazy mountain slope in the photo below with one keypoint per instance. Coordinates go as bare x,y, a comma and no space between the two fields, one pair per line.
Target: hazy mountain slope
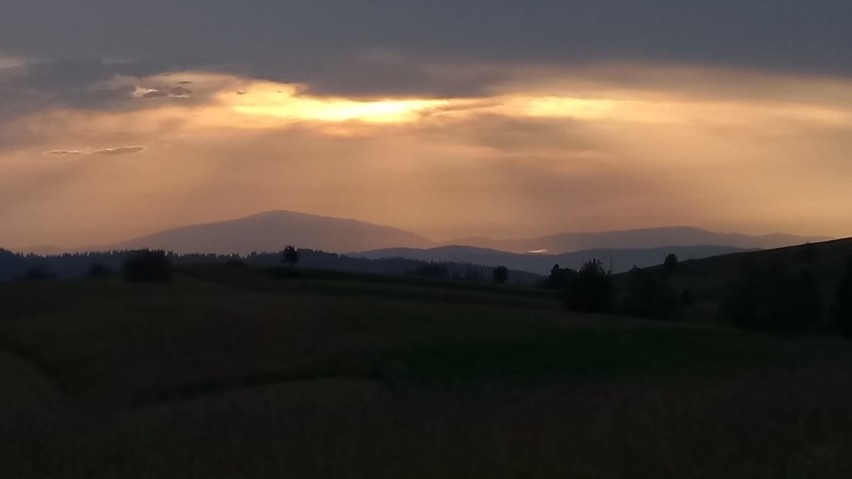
274,230
620,259
638,239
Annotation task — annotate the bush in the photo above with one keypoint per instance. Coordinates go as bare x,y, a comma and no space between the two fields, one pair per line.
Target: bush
589,289
147,266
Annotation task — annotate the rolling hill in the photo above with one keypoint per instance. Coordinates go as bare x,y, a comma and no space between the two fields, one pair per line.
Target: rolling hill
710,277
637,239
620,259
272,231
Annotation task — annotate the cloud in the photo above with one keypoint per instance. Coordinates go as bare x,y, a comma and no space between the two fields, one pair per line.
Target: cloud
65,152
77,72
163,92
417,47
119,150
545,148
110,151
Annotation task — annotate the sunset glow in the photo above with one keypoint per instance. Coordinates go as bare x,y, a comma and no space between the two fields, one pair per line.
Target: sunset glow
286,103
544,157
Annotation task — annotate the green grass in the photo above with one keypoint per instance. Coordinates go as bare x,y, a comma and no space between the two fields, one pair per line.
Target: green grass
232,373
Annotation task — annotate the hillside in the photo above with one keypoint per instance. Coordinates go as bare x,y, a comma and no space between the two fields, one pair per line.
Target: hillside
637,239
227,373
709,280
620,259
272,231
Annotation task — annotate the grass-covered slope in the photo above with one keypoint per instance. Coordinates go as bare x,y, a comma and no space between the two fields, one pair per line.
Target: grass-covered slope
228,372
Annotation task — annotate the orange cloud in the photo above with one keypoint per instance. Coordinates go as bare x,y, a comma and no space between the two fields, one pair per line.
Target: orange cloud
571,150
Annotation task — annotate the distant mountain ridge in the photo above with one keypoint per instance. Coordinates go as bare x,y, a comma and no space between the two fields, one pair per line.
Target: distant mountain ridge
272,231
620,260
638,239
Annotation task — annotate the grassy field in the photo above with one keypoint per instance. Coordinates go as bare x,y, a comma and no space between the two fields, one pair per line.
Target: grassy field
229,373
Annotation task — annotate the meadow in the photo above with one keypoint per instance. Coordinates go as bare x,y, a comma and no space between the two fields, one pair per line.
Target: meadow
227,372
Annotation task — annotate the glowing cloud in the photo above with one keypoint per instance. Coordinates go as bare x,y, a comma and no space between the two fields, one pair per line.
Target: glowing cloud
723,150
286,102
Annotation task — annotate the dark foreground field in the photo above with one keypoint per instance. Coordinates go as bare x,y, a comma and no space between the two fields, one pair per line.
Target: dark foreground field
229,374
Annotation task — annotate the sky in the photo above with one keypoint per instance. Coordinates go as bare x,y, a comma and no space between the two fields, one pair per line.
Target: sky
451,119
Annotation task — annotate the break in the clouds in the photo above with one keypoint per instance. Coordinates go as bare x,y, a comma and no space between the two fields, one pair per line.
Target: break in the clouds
448,118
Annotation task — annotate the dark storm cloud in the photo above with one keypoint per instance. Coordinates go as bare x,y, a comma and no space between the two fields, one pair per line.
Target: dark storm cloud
325,42
78,72
64,83
77,83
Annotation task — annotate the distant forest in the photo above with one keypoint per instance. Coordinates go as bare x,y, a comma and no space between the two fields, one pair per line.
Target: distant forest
79,265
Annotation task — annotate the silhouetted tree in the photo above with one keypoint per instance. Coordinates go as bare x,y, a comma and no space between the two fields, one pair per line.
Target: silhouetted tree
290,256
843,302
558,278
589,289
670,264
147,266
501,274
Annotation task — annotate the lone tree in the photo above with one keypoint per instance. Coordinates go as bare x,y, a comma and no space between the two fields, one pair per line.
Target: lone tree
670,264
501,274
290,256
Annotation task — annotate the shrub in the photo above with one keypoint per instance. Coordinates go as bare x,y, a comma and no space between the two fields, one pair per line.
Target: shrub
147,266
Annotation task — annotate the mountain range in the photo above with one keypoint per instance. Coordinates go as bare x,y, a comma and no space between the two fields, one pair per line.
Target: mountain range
640,238
271,231
618,260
